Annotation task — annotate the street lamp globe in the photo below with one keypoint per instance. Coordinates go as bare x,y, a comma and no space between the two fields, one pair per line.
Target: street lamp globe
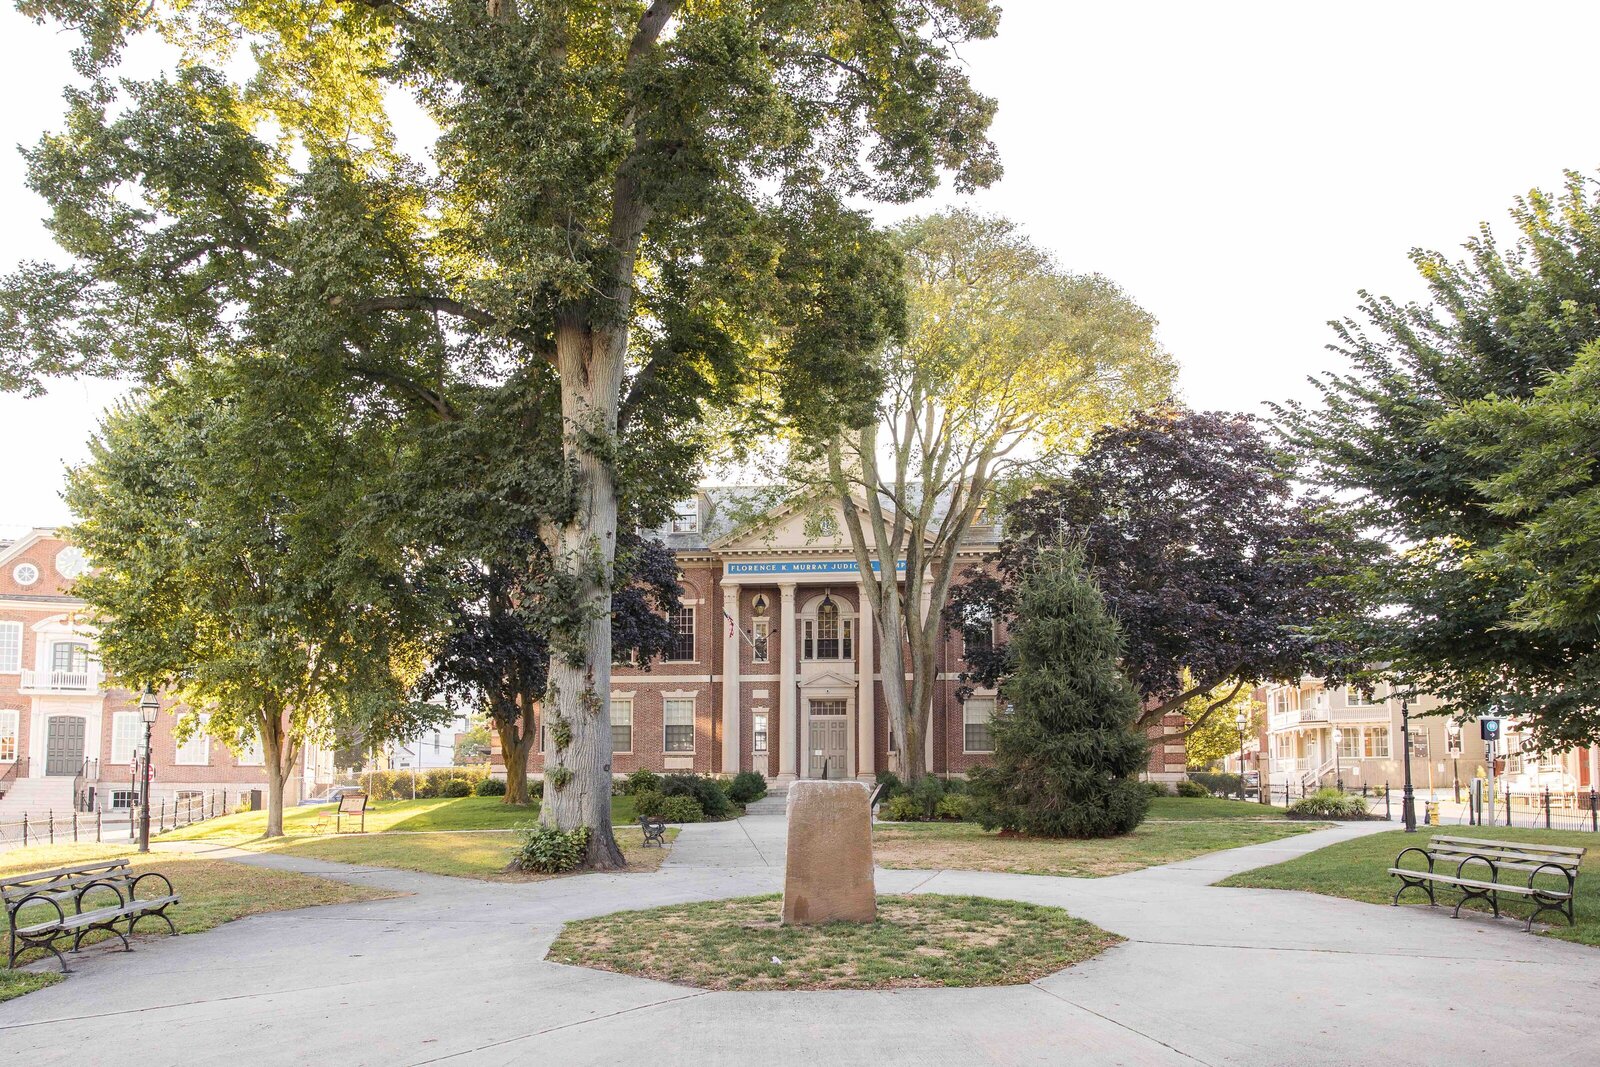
149,707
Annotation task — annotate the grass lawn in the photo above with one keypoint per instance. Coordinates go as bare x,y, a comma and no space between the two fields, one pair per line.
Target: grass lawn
1358,870
213,892
1177,828
460,855
921,940
462,813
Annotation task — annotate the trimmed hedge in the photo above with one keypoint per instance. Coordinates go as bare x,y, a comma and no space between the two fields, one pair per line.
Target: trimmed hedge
1217,783
746,787
491,787
1186,788
396,785
714,803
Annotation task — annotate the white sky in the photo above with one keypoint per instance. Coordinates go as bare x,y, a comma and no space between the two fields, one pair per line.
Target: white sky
1241,169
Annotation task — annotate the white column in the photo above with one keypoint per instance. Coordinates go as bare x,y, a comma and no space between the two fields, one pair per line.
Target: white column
866,704
788,742
730,681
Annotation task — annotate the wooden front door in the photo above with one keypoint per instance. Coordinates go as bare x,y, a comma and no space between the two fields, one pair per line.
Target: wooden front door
830,736
63,745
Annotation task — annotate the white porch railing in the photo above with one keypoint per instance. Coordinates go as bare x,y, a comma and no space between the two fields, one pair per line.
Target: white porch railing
84,681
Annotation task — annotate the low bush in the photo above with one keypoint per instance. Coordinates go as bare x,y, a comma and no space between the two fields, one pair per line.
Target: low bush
1157,789
643,781
954,807
902,808
1186,788
649,802
548,850
681,809
491,787
456,788
927,791
891,783
714,803
1217,783
746,786
1330,804
399,785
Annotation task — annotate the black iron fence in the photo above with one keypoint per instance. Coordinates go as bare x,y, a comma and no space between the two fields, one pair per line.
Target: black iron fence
73,827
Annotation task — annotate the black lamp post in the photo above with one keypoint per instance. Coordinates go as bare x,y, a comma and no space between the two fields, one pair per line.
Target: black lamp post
1240,721
1452,730
1338,772
149,708
1408,807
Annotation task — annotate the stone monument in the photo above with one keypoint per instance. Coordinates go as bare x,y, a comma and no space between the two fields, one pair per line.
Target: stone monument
829,873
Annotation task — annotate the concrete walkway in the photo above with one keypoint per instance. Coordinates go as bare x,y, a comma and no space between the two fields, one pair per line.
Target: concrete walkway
454,973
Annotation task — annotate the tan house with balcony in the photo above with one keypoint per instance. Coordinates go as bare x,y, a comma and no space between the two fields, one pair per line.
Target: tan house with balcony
1319,736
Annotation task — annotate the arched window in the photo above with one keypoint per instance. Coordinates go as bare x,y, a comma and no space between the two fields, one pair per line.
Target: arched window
828,633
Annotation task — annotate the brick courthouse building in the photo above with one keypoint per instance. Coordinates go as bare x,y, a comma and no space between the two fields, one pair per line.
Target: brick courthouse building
775,668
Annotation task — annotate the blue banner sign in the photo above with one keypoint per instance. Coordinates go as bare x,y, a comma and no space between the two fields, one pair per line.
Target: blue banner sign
821,566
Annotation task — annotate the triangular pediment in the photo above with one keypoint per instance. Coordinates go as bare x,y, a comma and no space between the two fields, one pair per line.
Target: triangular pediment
829,680
804,524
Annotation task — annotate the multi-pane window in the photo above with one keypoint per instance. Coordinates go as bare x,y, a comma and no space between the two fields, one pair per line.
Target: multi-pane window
758,732
1354,697
977,724
686,516
253,755
1350,743
127,733
977,630
10,646
827,707
679,717
124,798
828,636
8,735
69,657
759,639
621,724
1377,742
195,752
682,647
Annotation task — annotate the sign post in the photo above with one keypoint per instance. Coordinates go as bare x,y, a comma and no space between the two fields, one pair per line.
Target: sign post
1489,729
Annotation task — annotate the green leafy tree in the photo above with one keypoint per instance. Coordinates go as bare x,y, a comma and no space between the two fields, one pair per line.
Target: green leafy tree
643,200
1214,720
473,745
1008,365
1457,605
234,568
1066,752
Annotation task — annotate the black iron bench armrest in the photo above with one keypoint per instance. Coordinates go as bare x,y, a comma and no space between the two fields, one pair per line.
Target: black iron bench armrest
133,887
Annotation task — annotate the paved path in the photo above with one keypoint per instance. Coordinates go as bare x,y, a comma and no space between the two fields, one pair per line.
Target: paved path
453,973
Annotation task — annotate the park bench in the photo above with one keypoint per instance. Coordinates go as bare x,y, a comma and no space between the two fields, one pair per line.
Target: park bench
655,830
64,890
1501,858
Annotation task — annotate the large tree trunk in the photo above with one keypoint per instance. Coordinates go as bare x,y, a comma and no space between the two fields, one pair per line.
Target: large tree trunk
516,744
278,753
577,706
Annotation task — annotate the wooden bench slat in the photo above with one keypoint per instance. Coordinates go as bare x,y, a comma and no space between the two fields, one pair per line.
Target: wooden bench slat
1476,884
1513,860
62,872
1515,845
1518,853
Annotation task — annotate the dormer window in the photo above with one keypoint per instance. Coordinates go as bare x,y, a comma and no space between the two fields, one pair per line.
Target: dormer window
686,516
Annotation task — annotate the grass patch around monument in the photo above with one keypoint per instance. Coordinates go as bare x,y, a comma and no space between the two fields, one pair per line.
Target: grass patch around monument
482,854
212,892
1358,869
921,940
1176,829
385,816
